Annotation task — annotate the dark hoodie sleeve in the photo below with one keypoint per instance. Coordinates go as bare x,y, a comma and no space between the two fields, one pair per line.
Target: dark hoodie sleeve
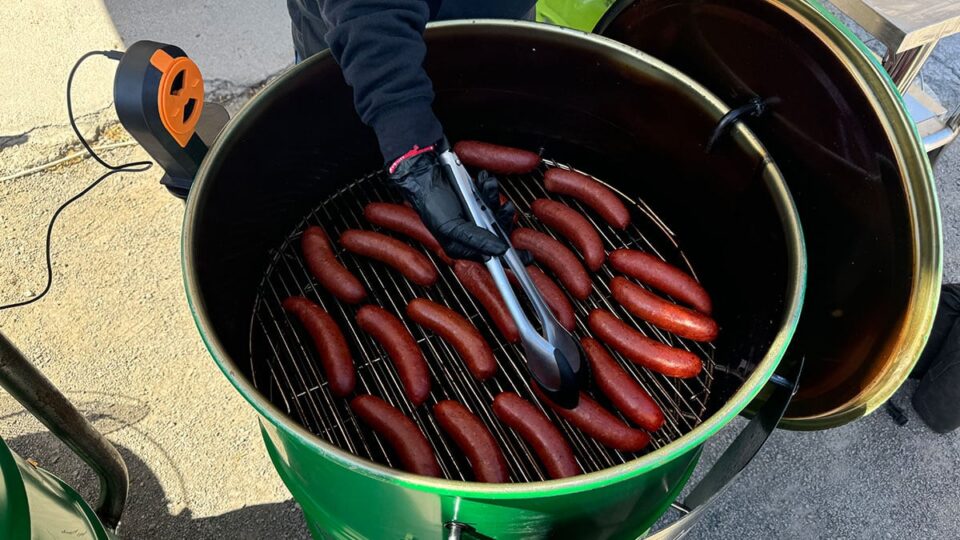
379,46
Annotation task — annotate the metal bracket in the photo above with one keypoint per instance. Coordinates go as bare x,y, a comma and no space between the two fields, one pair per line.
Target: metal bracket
736,457
212,121
454,530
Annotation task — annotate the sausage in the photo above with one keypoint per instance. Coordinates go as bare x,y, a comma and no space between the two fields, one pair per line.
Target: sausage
456,330
591,418
496,158
400,432
597,196
393,336
664,277
329,342
623,391
642,350
662,313
406,221
473,439
574,227
414,265
535,428
323,264
552,294
479,283
549,252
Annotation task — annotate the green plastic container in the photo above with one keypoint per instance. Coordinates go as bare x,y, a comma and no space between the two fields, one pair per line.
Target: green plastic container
36,505
579,14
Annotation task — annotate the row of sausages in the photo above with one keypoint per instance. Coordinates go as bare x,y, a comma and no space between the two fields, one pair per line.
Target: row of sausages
546,250
478,444
470,344
467,431
549,252
389,331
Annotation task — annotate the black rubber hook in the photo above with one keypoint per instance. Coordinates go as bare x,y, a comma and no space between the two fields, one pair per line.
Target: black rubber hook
756,107
896,413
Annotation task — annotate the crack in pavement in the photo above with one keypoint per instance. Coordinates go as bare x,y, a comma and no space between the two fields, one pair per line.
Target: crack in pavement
23,137
58,140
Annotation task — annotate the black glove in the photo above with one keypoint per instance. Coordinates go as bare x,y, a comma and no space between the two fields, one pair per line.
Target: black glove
423,180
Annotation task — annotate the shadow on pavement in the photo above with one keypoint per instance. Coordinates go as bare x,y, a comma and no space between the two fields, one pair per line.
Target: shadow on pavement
147,514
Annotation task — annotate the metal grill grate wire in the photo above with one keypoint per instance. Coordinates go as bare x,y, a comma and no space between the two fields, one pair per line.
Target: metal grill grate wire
293,381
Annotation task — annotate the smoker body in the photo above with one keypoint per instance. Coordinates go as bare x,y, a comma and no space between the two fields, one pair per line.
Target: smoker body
594,103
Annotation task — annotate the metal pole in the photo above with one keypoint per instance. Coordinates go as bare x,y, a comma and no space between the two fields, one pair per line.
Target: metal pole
905,66
38,396
454,530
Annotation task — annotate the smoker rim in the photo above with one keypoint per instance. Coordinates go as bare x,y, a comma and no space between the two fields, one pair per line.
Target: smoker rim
918,185
796,279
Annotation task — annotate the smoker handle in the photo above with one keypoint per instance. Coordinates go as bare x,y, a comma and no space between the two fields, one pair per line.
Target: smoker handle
42,399
740,452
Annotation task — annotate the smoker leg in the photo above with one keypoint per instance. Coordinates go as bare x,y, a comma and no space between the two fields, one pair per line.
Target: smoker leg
934,156
38,395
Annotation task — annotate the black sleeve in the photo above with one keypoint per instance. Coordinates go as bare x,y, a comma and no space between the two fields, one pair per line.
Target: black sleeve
379,46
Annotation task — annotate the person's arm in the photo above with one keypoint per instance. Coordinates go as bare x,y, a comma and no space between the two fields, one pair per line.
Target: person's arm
379,46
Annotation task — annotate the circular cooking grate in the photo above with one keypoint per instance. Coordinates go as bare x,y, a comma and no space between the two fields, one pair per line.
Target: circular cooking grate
284,367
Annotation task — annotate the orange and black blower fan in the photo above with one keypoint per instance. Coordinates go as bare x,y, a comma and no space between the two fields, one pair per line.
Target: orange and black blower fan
158,94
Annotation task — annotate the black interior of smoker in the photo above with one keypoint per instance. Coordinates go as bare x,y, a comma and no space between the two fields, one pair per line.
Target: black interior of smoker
833,152
302,140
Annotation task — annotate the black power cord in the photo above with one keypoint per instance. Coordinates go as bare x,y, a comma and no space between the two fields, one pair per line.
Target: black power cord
133,166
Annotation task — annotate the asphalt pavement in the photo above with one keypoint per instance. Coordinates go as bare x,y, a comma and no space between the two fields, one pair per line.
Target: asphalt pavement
116,336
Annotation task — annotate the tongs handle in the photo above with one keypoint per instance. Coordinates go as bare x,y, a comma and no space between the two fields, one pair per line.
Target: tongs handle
554,358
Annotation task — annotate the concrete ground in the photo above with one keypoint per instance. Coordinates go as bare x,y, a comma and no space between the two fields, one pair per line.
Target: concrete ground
116,336
238,46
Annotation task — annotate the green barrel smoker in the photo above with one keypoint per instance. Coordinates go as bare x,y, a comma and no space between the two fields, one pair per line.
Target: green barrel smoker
275,160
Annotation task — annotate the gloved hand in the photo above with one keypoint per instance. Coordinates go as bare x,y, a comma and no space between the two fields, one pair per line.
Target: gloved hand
424,182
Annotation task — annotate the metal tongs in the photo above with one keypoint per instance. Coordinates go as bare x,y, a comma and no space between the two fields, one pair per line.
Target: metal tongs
554,358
